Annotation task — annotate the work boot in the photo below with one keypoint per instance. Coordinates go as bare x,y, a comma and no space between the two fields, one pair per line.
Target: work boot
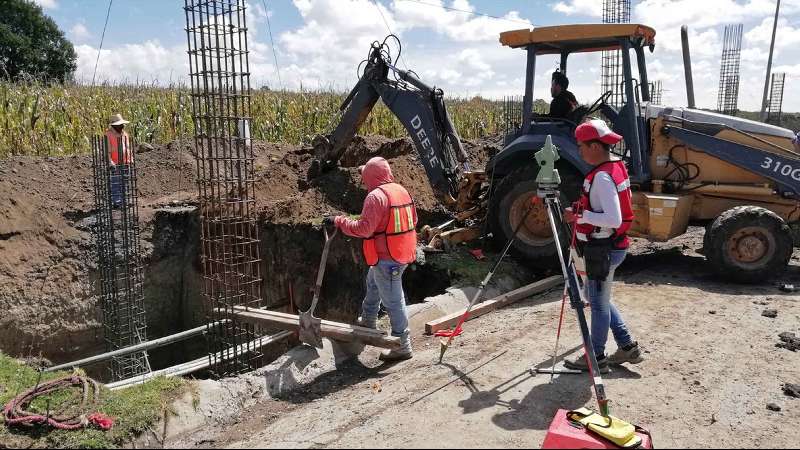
402,353
629,354
367,323
579,363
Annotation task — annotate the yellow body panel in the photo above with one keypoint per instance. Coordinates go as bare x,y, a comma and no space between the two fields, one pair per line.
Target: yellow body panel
578,38
664,216
660,217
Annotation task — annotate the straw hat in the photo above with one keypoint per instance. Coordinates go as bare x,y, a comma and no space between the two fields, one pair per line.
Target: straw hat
117,119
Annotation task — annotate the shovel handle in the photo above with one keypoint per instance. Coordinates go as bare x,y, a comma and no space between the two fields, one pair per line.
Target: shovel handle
322,264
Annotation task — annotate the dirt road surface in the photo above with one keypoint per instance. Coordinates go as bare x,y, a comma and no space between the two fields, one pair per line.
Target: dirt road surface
711,368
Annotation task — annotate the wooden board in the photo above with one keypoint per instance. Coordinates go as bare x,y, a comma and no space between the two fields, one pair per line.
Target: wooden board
451,320
333,330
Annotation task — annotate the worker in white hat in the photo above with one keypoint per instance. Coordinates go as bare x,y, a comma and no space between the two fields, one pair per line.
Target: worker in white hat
120,157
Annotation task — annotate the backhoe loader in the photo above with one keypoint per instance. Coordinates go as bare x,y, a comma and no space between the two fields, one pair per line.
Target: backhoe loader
738,177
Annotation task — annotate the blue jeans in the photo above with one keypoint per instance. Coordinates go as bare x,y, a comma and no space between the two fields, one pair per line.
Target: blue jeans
605,315
118,179
385,284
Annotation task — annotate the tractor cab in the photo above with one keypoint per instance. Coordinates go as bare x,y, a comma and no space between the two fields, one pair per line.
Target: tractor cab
564,40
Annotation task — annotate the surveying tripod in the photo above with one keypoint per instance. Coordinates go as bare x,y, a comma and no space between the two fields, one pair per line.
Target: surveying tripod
548,181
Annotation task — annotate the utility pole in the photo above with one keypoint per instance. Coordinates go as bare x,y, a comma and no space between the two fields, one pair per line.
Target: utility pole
769,63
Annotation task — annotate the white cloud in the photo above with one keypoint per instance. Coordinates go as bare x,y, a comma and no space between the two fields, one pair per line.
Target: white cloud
457,25
787,36
592,8
79,32
47,4
708,13
146,62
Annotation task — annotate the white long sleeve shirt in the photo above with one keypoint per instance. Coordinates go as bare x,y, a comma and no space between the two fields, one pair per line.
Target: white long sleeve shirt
604,199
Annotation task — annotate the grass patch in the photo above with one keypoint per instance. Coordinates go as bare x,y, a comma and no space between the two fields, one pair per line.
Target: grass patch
133,409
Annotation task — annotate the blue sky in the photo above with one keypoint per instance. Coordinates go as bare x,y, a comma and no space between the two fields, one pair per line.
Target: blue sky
319,43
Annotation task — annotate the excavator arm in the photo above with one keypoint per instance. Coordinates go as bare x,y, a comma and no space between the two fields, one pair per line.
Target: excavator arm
421,110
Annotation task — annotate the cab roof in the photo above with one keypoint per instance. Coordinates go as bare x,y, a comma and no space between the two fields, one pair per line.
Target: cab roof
578,38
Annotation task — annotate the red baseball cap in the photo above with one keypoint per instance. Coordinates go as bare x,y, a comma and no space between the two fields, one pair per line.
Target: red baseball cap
596,129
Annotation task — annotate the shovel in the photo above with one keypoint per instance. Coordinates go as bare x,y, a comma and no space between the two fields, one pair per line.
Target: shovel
310,326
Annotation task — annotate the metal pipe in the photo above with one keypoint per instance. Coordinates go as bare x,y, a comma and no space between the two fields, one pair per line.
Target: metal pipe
687,67
639,172
527,102
761,191
156,343
769,63
200,363
642,63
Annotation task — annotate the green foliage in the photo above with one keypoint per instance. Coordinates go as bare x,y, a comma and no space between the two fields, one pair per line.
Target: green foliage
134,409
36,119
31,45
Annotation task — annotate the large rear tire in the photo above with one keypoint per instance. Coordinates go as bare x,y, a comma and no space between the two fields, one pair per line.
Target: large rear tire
510,202
748,244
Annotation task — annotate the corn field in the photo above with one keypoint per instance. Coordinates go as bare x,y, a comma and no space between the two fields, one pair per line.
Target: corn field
58,120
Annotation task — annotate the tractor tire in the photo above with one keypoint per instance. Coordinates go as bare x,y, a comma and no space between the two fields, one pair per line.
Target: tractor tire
510,200
748,244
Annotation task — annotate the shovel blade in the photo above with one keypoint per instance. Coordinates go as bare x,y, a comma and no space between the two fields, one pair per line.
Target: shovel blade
310,332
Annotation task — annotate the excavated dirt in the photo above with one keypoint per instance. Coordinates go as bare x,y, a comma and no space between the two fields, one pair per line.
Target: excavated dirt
48,278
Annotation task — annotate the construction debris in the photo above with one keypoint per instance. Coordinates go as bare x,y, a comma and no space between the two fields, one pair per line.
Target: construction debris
789,341
792,390
770,313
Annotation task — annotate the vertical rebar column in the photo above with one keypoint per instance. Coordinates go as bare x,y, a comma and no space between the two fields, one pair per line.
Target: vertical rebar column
656,91
220,80
614,11
728,94
118,247
775,104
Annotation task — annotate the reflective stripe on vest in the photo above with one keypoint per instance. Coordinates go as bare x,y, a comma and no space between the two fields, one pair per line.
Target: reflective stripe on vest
619,174
114,147
400,233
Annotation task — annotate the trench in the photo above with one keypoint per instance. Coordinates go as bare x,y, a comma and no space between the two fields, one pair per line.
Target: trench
290,258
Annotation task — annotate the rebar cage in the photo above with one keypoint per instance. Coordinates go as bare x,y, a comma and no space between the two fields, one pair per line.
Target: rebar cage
728,93
220,81
614,11
775,105
116,233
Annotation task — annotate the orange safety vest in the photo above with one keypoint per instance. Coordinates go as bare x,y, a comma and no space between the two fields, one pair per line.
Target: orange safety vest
400,233
114,147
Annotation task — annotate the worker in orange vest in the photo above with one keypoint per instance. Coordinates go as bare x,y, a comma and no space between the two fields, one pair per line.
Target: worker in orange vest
120,157
388,227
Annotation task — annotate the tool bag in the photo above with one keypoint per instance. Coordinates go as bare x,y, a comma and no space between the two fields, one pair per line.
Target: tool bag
597,257
612,429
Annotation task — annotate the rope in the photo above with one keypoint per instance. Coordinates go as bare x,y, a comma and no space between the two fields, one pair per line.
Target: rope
15,412
102,38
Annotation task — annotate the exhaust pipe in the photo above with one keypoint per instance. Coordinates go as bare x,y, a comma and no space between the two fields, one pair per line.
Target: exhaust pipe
687,67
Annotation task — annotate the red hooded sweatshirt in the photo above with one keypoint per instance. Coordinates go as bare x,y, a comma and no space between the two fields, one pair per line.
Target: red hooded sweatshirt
375,213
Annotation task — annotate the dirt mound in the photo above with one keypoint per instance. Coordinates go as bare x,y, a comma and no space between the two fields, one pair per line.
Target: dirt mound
286,196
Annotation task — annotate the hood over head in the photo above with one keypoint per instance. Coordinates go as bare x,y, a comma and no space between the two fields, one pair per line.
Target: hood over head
376,172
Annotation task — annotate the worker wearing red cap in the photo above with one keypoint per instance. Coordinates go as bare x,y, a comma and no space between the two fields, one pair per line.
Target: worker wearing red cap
602,217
